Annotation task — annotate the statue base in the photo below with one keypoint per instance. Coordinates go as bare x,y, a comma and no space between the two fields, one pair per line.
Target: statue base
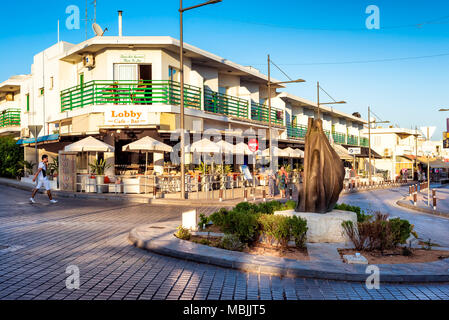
324,227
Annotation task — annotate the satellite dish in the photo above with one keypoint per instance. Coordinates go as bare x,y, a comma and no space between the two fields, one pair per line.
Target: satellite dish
98,30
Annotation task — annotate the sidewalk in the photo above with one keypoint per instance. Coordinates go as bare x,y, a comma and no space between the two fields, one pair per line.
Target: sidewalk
174,198
442,194
169,199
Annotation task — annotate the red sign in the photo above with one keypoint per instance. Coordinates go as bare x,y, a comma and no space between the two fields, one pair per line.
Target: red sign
253,145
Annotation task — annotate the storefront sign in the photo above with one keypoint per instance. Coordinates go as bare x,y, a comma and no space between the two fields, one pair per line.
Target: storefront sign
126,115
132,58
354,151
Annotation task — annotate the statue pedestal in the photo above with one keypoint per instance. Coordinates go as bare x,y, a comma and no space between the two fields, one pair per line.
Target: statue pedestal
324,227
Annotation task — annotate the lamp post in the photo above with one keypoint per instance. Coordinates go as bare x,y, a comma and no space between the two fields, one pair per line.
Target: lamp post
269,84
369,142
181,71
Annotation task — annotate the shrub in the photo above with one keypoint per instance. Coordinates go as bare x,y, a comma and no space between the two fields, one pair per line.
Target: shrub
204,220
238,221
289,205
299,231
182,233
269,207
281,229
218,217
361,216
379,233
231,242
12,155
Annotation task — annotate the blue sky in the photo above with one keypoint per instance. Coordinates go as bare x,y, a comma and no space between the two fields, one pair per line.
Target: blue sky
315,40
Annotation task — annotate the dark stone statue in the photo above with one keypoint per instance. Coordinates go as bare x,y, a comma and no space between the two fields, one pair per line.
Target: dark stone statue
323,172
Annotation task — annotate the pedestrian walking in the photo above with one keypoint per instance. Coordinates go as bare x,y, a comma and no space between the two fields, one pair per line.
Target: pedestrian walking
283,181
42,180
271,183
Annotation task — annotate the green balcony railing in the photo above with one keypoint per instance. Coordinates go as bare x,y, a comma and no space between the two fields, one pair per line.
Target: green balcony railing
364,142
9,118
225,104
296,131
339,138
353,140
129,92
259,112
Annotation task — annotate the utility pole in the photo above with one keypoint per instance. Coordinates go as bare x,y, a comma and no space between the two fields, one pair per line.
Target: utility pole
428,172
416,150
270,154
369,145
181,104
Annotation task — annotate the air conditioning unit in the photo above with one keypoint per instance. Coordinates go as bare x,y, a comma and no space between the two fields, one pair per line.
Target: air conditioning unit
89,61
25,133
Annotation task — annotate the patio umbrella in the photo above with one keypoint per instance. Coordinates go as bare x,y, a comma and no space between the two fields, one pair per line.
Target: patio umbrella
293,153
89,144
277,152
300,153
203,146
147,144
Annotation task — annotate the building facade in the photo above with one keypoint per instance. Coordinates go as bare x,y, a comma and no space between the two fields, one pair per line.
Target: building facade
120,89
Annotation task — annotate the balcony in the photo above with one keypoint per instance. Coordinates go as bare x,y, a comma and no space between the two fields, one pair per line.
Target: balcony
129,92
353,140
225,104
259,112
9,118
364,142
339,138
296,131
163,92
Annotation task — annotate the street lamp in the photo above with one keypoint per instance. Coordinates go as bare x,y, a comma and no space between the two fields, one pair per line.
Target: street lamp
270,155
369,141
181,71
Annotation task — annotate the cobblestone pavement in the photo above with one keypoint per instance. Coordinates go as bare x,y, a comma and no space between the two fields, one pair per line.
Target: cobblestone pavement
38,242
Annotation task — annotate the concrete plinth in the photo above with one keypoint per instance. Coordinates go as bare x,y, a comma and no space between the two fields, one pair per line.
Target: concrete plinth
324,227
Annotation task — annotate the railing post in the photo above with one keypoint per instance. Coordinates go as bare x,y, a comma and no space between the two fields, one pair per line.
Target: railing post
434,198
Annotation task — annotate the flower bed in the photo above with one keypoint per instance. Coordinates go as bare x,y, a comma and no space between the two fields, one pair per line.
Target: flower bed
381,239
253,228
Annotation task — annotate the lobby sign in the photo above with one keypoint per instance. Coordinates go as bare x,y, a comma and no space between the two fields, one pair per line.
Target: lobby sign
126,115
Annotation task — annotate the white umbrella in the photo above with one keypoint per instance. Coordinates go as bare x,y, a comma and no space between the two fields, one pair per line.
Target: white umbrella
300,153
277,152
89,144
203,146
242,148
292,153
147,144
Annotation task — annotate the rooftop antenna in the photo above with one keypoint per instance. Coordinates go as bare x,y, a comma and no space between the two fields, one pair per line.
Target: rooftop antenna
94,20
98,30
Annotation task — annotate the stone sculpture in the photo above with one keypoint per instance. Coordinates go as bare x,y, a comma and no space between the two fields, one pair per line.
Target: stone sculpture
323,172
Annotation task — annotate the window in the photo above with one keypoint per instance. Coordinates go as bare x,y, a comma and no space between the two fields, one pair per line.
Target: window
28,102
222,90
173,74
126,72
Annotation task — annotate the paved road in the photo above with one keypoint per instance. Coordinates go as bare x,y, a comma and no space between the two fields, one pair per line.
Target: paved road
42,240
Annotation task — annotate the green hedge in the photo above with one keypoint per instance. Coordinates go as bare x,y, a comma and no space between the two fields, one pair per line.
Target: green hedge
11,157
249,221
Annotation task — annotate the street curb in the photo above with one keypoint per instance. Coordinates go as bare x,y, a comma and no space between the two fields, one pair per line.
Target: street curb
165,243
127,198
403,203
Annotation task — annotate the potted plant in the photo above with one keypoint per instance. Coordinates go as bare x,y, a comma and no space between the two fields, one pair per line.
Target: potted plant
25,168
98,168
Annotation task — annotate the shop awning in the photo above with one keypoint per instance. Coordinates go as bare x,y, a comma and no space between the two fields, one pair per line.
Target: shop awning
51,137
438,164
